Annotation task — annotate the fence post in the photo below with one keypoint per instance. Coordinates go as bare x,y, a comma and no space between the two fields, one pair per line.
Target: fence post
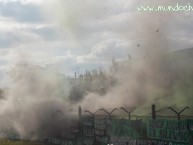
178,113
79,112
153,112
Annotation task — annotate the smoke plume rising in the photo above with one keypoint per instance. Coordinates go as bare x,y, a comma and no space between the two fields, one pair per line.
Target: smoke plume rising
38,103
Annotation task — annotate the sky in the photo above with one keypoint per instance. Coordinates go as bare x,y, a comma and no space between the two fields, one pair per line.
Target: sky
78,35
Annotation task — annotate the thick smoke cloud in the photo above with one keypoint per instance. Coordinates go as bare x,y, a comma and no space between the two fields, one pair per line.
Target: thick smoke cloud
37,103
138,78
151,78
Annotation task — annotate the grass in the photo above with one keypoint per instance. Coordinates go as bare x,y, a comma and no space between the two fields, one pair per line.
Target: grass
11,142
